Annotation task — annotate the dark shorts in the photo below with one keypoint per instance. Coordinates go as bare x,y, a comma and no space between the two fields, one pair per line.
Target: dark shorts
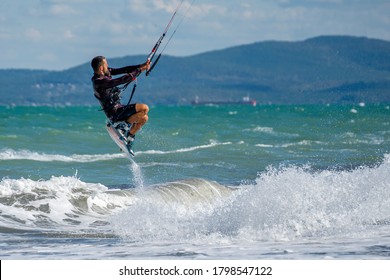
123,113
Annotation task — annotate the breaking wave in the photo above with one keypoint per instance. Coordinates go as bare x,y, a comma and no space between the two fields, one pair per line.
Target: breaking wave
285,203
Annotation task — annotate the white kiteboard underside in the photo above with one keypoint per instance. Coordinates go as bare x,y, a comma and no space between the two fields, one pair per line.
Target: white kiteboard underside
119,139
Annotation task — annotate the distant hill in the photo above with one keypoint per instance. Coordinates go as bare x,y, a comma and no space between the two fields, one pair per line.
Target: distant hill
326,69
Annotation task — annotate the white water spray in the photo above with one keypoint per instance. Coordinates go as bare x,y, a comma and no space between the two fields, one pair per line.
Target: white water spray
138,178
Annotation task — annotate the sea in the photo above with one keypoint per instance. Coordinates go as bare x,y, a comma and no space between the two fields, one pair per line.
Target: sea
213,182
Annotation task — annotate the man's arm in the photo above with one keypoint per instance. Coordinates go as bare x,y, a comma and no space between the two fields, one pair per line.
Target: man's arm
130,69
124,70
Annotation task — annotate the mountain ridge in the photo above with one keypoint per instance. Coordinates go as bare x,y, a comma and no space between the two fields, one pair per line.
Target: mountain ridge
323,69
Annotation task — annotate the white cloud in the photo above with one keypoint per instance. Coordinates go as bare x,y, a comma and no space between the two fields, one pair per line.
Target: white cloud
68,34
61,9
139,6
33,34
206,10
168,6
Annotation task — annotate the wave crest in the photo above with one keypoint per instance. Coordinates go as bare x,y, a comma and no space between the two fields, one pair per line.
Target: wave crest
285,203
10,154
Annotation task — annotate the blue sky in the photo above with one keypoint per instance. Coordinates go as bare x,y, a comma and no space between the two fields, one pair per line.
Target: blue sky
59,34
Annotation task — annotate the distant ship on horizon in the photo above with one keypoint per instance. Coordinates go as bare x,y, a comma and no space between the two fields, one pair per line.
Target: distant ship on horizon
245,101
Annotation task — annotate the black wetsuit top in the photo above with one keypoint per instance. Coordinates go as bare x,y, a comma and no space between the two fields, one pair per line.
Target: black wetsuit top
106,88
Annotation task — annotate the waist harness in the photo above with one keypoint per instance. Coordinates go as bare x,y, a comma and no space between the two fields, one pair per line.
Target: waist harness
109,102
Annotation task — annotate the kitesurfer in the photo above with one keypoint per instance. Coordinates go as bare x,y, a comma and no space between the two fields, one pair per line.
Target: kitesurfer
107,92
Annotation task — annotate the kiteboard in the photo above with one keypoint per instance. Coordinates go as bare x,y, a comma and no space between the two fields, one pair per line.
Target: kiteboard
116,131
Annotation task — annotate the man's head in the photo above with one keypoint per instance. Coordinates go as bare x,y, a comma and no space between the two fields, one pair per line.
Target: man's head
99,65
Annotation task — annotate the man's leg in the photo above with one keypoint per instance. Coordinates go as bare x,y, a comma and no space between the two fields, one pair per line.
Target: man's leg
139,118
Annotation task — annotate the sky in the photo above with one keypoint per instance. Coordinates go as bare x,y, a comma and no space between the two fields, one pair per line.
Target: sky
60,34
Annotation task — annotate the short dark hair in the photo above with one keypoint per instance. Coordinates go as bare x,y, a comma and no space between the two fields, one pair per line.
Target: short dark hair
96,62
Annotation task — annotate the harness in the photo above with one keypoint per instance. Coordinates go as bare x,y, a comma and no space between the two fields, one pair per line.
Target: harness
110,101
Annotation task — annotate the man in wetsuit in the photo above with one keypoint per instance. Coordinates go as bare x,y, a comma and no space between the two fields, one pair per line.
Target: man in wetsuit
107,92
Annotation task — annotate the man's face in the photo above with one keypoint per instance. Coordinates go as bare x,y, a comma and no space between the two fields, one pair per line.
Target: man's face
105,68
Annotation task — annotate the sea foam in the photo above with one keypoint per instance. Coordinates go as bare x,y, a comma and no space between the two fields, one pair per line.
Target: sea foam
10,154
285,203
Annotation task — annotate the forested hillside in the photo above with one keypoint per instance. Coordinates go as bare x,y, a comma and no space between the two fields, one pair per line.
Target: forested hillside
326,69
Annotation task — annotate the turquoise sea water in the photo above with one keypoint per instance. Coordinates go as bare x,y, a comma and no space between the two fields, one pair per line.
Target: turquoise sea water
231,181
